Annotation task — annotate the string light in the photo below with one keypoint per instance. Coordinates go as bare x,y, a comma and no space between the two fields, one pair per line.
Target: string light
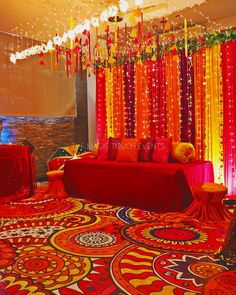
124,5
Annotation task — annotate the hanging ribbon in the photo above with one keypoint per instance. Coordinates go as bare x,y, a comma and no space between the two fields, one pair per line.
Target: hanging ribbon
41,59
68,62
71,27
186,37
107,40
115,29
126,40
58,55
89,45
81,59
76,52
118,46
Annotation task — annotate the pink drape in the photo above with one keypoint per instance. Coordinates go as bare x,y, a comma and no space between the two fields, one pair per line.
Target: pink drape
229,104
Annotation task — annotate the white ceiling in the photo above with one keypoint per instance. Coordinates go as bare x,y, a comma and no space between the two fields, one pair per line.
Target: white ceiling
41,19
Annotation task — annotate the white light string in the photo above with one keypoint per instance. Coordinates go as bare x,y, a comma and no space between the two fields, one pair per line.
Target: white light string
111,11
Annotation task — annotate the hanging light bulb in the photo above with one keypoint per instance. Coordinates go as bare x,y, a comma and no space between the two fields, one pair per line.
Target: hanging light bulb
138,2
64,37
71,34
112,10
123,6
57,40
49,45
104,16
95,21
87,25
13,58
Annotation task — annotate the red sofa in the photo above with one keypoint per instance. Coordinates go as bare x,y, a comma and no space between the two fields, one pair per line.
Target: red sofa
150,186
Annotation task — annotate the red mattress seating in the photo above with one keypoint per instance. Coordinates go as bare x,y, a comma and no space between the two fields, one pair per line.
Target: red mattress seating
160,187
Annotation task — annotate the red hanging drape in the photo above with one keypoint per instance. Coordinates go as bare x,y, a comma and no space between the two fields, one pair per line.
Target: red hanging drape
101,125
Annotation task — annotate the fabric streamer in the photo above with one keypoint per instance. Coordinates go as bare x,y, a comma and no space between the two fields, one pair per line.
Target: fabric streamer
175,96
199,62
101,126
129,99
228,51
214,111
172,96
109,102
142,101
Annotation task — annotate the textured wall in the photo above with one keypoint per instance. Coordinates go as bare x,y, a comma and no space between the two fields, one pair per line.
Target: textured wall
47,134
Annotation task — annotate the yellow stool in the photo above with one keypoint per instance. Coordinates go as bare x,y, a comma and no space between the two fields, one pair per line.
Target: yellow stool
208,205
56,183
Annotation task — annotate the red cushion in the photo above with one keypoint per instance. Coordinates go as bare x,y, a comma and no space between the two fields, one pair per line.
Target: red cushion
103,149
161,150
128,150
113,147
145,149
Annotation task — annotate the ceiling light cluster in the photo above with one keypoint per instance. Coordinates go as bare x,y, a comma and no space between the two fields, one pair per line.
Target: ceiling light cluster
111,11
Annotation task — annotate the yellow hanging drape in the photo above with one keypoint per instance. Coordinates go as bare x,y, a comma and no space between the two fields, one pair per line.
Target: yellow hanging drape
199,101
214,112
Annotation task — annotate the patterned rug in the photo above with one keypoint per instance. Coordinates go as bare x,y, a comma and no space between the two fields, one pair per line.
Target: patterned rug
74,246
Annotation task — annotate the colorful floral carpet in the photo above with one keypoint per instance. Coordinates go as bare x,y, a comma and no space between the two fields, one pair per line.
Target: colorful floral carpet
71,246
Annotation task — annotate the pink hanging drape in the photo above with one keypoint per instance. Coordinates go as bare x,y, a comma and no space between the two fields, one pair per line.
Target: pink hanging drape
228,51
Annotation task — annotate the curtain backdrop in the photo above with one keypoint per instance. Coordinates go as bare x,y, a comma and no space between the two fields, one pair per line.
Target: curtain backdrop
189,98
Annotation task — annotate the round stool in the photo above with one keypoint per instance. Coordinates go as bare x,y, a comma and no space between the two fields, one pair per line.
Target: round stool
56,183
208,205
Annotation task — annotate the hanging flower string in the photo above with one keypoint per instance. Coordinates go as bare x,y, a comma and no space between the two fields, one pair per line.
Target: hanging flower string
41,58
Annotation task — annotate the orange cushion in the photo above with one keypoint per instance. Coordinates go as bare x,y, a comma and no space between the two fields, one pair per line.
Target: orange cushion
128,150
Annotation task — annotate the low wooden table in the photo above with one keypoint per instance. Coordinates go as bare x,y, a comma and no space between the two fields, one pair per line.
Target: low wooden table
208,205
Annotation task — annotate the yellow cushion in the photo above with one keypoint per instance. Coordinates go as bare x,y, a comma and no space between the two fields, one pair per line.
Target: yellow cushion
95,149
55,175
183,152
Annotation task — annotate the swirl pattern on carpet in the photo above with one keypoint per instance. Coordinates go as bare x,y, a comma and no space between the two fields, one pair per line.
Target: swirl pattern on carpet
102,239
129,215
139,270
40,210
156,235
49,267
